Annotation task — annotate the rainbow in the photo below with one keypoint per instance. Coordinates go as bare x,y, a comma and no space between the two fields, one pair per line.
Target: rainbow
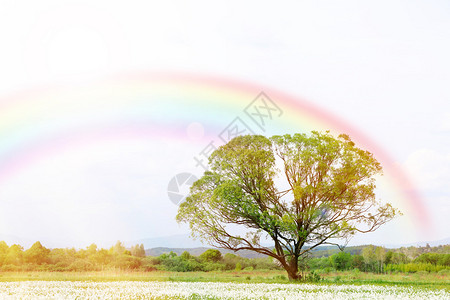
37,124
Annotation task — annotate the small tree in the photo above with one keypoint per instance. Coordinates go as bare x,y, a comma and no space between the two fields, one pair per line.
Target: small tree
211,255
186,255
368,253
117,249
138,250
323,190
341,261
14,255
3,251
358,262
380,254
37,254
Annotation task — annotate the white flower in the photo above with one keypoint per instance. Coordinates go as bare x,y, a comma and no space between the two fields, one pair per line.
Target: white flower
205,290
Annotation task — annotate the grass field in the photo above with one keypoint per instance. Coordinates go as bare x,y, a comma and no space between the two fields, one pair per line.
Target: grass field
431,281
208,290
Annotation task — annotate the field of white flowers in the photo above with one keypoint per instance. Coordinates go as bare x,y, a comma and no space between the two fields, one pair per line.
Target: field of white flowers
206,290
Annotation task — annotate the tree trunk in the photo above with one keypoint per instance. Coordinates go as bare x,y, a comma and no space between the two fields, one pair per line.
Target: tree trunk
293,274
292,270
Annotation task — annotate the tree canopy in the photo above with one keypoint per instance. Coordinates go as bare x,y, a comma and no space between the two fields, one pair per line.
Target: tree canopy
299,190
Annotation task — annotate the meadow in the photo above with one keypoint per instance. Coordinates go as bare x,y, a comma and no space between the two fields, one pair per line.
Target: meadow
172,286
362,272
420,280
255,284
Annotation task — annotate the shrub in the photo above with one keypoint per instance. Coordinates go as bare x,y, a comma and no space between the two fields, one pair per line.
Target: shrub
213,267
10,267
312,277
238,267
81,265
355,273
444,272
341,261
211,255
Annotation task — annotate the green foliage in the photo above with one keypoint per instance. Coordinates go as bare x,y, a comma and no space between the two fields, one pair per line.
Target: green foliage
37,254
3,251
416,267
211,255
341,261
117,249
313,277
358,262
138,250
238,267
177,263
319,263
330,195
434,258
126,262
374,258
186,255
92,258
80,265
399,258
444,260
14,256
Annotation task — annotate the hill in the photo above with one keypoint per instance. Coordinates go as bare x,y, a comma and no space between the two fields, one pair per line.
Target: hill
199,250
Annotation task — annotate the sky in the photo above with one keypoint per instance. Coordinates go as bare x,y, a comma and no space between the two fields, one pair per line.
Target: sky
382,66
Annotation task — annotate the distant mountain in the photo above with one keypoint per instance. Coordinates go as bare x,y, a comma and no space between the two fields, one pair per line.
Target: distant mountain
420,244
184,241
317,252
199,250
176,243
172,243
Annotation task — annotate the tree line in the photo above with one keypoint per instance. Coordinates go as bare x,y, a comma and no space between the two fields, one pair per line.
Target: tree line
118,257
380,260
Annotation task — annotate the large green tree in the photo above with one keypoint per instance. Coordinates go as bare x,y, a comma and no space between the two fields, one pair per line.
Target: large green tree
299,190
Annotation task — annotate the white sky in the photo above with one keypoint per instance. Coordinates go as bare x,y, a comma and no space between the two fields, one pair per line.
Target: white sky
383,66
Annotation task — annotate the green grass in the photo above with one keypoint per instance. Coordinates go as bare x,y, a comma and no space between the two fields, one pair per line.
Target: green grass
421,280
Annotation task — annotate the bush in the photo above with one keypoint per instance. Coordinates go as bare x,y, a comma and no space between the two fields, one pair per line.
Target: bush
358,262
444,272
341,261
319,263
444,260
238,267
312,277
81,265
355,273
231,261
415,267
10,267
211,255
213,267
